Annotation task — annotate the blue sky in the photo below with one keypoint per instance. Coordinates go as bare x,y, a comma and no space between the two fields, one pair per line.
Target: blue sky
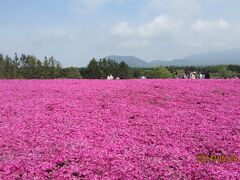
74,31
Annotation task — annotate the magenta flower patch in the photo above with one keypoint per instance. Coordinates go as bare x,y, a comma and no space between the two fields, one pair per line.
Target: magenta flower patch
128,129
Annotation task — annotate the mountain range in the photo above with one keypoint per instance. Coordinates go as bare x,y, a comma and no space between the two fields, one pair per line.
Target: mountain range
203,59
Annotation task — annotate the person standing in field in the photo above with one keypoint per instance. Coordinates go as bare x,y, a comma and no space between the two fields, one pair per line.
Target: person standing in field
207,75
192,75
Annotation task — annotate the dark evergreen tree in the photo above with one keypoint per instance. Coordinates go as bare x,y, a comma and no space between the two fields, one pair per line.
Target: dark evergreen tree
124,72
72,73
16,64
93,70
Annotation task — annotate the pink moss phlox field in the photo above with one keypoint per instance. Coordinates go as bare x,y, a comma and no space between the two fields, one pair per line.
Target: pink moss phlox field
128,129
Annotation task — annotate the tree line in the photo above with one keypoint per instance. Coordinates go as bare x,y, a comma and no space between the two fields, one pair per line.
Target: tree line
102,68
30,67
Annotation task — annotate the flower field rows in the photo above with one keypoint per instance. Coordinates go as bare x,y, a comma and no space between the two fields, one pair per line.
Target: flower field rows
127,129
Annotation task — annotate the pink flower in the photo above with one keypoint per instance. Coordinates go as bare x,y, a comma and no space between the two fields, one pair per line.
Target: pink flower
94,129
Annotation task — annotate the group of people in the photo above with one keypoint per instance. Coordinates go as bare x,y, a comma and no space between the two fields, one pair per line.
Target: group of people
193,75
110,77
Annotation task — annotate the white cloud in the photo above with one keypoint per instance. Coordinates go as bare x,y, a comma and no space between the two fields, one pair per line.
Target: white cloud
201,25
161,24
218,34
165,31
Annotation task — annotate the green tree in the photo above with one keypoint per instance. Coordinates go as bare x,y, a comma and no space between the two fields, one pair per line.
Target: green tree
16,64
159,72
104,67
180,73
54,67
8,68
2,67
72,73
93,70
124,71
136,72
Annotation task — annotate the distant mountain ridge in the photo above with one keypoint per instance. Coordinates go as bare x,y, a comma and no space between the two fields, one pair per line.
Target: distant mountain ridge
203,59
130,60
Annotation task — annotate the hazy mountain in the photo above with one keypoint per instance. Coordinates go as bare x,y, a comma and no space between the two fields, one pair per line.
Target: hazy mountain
176,62
136,62
211,58
130,60
158,63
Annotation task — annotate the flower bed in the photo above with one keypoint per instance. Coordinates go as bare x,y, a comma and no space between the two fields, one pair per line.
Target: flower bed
143,129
